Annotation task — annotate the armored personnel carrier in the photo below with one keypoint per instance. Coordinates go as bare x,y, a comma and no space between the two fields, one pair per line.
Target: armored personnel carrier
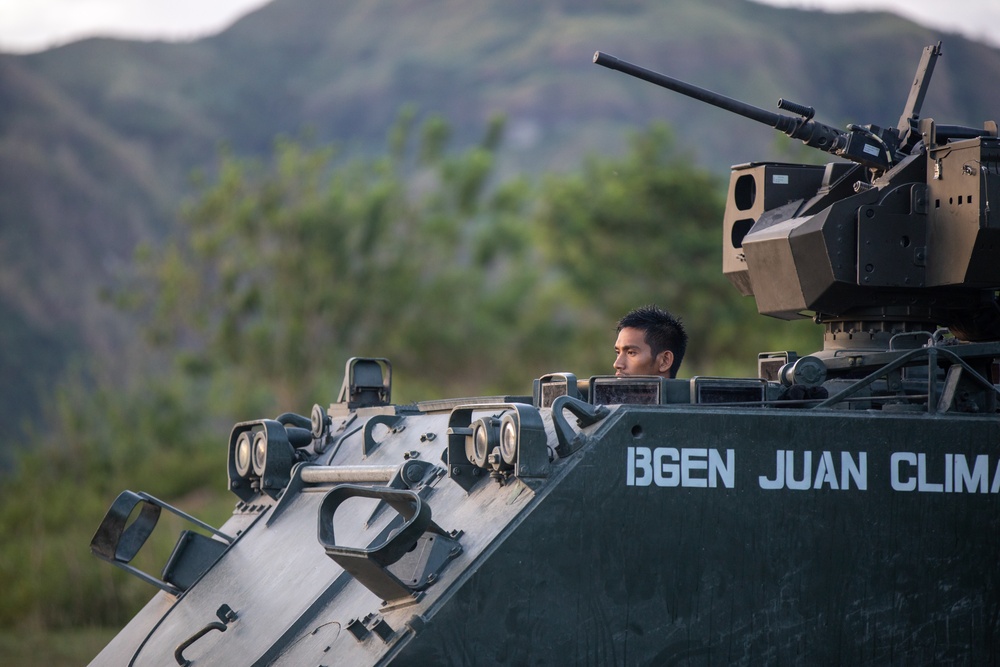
841,508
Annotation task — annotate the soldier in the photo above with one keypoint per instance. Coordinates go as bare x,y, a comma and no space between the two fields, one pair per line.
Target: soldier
651,341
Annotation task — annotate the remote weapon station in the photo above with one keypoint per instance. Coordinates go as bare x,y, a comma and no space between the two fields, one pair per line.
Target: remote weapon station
841,508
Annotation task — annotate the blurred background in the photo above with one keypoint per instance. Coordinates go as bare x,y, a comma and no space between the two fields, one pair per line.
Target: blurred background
207,208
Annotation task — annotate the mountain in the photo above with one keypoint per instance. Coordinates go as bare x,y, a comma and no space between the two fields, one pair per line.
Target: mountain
98,138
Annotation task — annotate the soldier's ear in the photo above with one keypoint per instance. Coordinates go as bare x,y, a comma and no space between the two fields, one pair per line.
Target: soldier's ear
664,361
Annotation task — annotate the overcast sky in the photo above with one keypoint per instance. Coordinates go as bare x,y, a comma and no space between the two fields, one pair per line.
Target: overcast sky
34,25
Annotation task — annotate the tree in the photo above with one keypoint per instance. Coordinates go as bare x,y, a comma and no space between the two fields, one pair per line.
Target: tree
469,285
280,272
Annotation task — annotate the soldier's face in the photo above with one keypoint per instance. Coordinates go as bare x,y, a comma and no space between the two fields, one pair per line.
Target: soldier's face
633,355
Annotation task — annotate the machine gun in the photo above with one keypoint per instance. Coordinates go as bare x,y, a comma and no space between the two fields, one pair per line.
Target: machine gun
869,145
899,238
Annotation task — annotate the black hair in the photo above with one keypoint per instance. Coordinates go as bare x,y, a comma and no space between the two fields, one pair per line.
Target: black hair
661,331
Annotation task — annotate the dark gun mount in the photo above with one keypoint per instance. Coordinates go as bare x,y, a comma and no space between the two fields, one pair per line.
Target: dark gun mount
898,239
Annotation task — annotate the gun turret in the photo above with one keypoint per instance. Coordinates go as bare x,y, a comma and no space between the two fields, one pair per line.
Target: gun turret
811,132
902,240
868,145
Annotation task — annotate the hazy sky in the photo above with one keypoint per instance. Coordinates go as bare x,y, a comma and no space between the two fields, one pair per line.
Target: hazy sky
34,25
978,19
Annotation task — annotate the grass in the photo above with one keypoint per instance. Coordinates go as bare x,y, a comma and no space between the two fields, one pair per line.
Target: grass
55,648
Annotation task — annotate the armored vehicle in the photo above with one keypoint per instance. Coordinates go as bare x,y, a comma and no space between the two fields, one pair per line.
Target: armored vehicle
840,508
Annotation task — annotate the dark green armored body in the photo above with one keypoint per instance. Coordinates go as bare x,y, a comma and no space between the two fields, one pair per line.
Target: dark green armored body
841,508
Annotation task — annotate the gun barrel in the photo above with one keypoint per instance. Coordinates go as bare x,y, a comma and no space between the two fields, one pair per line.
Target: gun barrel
696,92
814,134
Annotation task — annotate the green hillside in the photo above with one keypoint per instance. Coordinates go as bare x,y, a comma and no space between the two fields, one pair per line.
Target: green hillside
98,139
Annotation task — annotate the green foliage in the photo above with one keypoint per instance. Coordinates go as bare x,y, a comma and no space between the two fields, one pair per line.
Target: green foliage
283,270
104,440
72,647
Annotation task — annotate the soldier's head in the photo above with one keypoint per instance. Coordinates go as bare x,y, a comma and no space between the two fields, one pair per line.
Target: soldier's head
650,341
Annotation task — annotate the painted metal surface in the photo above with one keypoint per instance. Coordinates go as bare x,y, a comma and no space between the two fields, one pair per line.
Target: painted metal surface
674,534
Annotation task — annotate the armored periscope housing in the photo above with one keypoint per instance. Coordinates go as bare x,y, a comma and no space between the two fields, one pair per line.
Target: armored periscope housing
839,509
